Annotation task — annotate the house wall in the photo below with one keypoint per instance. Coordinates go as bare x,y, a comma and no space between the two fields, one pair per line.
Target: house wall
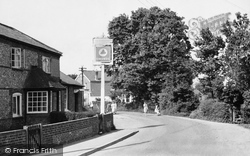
55,63
4,110
72,101
13,80
80,101
6,120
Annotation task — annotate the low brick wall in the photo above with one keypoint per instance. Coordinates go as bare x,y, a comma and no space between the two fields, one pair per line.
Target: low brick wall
69,131
57,133
12,139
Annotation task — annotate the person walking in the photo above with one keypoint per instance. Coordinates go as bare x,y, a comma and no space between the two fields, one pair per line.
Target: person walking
157,111
114,106
145,107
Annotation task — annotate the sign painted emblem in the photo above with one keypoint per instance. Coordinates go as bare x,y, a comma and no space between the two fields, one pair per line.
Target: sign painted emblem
103,54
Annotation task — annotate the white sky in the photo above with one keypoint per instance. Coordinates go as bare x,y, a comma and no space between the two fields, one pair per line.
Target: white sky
70,25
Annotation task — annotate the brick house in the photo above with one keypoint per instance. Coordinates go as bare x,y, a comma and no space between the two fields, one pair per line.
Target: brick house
73,93
30,85
92,83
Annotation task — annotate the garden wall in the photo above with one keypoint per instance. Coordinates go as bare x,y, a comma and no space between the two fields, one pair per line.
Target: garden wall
57,134
12,139
69,131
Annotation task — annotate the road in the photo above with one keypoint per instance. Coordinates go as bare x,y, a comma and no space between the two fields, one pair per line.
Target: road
167,136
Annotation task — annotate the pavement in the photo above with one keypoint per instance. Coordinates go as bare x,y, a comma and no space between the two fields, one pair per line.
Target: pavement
91,145
97,143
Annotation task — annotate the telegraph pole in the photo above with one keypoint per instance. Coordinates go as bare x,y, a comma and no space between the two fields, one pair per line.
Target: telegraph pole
82,71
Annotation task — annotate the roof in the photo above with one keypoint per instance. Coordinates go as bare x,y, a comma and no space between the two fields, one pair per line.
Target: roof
93,75
68,80
38,79
96,89
14,34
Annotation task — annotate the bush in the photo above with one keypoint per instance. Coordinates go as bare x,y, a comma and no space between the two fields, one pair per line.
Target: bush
181,108
213,110
196,114
68,115
57,117
246,115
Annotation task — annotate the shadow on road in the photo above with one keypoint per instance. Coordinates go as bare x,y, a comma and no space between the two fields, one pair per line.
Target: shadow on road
150,126
109,144
139,143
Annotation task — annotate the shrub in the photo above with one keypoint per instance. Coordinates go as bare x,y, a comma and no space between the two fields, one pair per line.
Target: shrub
57,117
130,106
196,114
79,115
68,115
246,115
213,110
181,108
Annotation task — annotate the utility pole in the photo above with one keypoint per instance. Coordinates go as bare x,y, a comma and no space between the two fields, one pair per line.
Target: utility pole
82,71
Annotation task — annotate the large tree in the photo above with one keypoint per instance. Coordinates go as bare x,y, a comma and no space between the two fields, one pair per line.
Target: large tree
237,52
237,60
210,64
150,48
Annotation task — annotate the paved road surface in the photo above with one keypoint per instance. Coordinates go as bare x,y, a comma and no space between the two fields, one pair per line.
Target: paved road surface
167,136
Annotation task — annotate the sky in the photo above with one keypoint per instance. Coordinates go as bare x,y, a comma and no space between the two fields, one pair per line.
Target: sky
70,25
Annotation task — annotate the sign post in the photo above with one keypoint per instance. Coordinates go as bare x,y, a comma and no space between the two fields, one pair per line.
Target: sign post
103,48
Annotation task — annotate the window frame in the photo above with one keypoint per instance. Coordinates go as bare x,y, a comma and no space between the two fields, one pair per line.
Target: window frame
46,66
16,105
16,58
35,102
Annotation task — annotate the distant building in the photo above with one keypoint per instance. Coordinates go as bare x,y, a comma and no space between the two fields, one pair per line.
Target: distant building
92,85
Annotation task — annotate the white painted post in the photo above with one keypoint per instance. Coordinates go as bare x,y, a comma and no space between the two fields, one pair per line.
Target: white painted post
103,56
102,91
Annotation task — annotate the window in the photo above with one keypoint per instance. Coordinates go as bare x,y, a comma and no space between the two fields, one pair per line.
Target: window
16,57
17,104
46,64
37,102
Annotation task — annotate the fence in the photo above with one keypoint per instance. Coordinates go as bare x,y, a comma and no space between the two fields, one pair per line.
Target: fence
52,135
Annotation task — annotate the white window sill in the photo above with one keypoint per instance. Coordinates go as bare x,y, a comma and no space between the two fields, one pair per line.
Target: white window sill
16,116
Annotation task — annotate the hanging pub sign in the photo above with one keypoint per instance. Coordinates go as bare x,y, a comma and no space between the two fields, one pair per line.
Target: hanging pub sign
103,49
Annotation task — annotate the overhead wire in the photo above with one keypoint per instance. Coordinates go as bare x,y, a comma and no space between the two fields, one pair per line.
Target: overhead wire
142,3
237,6
149,2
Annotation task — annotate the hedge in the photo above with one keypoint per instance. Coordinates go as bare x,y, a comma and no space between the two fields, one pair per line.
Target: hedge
211,109
56,116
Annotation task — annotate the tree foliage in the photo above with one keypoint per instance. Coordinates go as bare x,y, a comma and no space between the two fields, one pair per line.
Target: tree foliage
210,64
237,52
151,53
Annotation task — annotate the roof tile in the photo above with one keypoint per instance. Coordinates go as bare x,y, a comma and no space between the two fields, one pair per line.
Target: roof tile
12,33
